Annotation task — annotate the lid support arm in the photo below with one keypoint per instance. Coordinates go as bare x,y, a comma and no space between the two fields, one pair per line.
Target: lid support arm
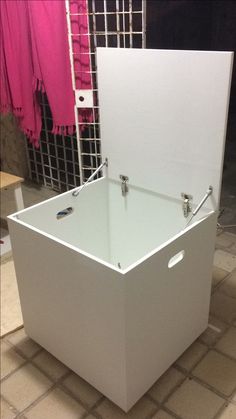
206,196
77,191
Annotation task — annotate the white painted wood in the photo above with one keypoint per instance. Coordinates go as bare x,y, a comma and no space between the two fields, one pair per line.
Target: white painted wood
117,330
86,228
120,329
167,309
74,307
163,118
108,226
19,197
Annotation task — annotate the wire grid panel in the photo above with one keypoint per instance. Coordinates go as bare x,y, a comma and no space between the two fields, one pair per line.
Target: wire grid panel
55,164
63,162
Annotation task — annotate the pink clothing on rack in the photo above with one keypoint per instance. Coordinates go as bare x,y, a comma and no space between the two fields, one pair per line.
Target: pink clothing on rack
36,57
17,94
52,72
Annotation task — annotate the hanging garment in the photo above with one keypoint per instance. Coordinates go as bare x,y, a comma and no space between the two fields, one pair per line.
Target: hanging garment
50,51
17,93
36,58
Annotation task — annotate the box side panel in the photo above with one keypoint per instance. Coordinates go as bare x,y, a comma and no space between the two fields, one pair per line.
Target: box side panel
140,222
73,307
167,308
86,227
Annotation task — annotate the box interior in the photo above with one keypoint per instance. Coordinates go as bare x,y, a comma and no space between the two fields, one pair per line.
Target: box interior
118,230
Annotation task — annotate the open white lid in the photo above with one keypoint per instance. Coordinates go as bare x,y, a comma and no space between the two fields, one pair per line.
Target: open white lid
163,118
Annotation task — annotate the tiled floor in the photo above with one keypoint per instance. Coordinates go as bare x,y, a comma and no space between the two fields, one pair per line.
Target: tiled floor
200,385
11,316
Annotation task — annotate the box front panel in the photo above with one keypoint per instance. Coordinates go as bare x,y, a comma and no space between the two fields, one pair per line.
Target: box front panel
167,304
74,307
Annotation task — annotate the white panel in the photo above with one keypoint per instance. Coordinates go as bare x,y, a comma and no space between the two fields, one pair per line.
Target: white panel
141,222
163,118
87,226
167,308
74,307
119,332
105,224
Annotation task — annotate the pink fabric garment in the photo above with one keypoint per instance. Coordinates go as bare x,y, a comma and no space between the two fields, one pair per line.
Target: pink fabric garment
36,57
80,44
17,94
52,72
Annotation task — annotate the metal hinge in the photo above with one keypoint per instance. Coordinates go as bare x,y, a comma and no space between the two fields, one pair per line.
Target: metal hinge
124,186
187,208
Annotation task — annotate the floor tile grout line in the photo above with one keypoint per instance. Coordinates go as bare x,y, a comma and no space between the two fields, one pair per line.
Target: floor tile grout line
20,352
151,415
220,411
26,361
221,282
170,412
70,393
198,361
220,335
3,337
230,323
213,347
3,379
42,396
224,249
203,384
27,408
191,376
56,384
160,404
36,401
12,408
55,381
92,409
38,367
219,246
224,293
188,373
211,388
224,354
218,285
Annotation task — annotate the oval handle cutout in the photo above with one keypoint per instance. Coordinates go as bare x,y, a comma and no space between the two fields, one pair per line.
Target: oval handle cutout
63,213
176,259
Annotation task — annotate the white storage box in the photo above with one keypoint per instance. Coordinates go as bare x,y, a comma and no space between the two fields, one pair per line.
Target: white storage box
119,287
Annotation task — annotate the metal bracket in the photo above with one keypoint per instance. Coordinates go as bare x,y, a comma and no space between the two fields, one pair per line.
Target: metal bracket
206,196
124,186
187,208
77,191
